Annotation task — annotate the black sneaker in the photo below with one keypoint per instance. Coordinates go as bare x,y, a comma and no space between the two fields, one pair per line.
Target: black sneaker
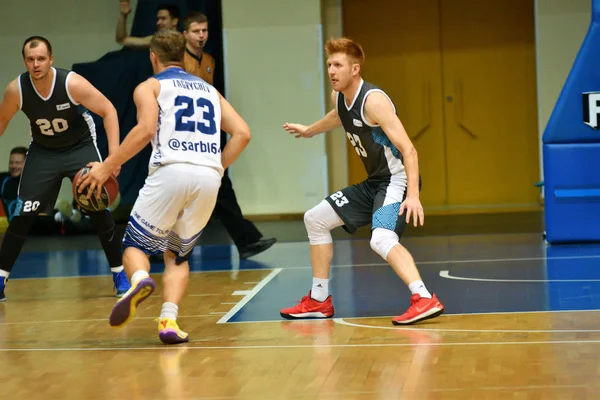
253,249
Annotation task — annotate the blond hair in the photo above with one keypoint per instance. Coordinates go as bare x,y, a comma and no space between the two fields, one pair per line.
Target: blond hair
169,46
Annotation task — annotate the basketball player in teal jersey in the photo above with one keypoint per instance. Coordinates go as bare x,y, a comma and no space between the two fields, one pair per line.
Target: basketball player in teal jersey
387,199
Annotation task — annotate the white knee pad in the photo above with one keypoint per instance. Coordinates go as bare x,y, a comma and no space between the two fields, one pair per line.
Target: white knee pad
383,240
319,222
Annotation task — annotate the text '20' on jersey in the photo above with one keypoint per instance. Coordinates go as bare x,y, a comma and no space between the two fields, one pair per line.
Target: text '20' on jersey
189,122
57,121
381,158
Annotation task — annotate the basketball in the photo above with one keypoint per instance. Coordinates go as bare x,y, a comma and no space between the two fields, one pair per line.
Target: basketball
109,193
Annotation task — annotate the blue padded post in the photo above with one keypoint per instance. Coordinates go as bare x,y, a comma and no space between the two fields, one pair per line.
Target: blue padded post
572,192
571,148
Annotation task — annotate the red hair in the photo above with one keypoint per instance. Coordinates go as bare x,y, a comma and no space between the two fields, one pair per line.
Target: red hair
346,46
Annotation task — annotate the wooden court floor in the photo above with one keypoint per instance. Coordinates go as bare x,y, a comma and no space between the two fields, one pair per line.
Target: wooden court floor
522,322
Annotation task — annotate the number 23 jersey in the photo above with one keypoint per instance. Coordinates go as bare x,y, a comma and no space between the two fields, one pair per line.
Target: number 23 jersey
382,160
189,122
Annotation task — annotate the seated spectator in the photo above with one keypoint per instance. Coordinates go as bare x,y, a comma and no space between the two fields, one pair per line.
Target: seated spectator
9,181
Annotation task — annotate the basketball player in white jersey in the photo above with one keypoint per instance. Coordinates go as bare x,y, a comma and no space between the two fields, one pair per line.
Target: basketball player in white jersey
182,116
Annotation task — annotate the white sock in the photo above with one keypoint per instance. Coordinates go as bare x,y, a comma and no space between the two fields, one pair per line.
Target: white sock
76,217
169,310
320,289
138,276
116,270
58,217
4,274
419,288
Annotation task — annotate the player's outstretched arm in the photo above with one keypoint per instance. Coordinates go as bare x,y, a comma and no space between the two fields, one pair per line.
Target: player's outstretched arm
83,92
379,110
325,124
136,42
144,97
10,105
234,124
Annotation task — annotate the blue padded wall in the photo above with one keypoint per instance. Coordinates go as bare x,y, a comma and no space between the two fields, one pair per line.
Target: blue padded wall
572,192
571,148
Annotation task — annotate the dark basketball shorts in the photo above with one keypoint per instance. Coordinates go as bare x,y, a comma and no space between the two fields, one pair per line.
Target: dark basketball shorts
44,171
371,202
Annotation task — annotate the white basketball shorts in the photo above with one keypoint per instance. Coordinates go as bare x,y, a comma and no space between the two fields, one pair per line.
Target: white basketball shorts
172,209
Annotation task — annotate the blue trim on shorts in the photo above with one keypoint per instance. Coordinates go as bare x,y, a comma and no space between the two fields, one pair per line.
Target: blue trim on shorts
139,237
182,247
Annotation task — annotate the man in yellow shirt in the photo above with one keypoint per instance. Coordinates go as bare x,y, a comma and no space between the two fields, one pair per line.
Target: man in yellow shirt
196,61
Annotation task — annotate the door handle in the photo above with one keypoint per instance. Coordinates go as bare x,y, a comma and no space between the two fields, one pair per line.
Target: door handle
459,110
427,107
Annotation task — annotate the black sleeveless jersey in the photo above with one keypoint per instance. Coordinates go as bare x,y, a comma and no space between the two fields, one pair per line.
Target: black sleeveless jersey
381,158
56,122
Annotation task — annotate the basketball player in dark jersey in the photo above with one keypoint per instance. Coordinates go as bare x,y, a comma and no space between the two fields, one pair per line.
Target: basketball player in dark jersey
63,140
387,199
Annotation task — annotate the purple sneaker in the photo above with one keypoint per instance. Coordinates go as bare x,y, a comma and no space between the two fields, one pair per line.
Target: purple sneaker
125,308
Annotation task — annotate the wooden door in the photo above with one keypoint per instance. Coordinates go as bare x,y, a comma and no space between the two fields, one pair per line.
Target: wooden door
462,76
488,57
402,46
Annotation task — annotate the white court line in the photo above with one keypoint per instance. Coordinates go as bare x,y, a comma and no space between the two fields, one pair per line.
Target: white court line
60,321
379,394
70,321
486,260
446,274
248,296
479,261
436,262
441,316
308,346
401,328
385,393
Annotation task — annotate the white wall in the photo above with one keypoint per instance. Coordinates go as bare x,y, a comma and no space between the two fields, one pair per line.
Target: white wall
561,26
79,31
274,74
336,141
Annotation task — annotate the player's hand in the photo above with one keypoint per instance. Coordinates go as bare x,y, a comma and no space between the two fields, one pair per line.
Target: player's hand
94,179
412,206
125,7
117,171
297,129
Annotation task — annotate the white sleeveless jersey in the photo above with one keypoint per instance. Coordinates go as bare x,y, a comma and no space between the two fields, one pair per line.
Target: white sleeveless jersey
189,122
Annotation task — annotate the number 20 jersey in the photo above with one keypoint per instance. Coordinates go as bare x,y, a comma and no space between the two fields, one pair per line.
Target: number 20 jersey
189,122
382,160
57,122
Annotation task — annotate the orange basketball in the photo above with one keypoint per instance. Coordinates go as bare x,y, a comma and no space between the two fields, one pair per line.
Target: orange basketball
110,191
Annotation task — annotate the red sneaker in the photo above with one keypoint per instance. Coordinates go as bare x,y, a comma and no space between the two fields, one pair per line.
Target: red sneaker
309,308
420,309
